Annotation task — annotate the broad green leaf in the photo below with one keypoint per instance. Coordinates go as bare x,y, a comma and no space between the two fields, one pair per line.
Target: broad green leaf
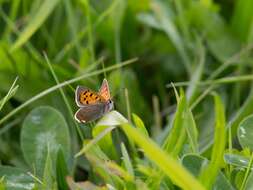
245,132
245,110
36,21
210,172
16,179
194,163
165,162
237,160
46,128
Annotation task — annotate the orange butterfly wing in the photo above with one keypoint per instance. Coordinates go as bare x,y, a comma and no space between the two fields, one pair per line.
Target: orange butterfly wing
104,90
89,97
85,96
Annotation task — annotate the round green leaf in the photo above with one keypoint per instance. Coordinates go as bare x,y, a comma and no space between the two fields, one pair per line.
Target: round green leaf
44,130
194,163
16,179
237,160
245,132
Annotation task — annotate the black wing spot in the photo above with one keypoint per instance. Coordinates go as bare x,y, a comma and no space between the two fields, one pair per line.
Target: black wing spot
87,102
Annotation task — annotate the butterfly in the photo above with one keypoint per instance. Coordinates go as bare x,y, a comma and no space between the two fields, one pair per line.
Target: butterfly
92,105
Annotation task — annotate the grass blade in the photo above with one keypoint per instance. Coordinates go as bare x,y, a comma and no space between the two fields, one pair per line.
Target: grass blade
165,162
139,124
95,140
174,141
196,76
224,80
64,97
191,129
37,20
48,172
247,173
61,170
10,93
49,90
209,174
242,19
126,160
86,5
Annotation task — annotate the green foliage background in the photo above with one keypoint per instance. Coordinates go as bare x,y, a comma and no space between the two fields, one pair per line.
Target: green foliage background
180,73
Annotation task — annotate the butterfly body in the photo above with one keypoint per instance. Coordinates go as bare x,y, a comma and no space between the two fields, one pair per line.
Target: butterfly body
92,105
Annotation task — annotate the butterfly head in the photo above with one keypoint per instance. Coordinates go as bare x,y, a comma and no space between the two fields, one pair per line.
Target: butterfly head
109,105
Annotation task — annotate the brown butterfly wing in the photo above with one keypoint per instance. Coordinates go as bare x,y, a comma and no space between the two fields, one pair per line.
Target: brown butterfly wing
104,90
84,97
89,113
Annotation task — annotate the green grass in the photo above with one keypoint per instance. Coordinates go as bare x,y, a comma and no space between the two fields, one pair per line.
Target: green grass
180,74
